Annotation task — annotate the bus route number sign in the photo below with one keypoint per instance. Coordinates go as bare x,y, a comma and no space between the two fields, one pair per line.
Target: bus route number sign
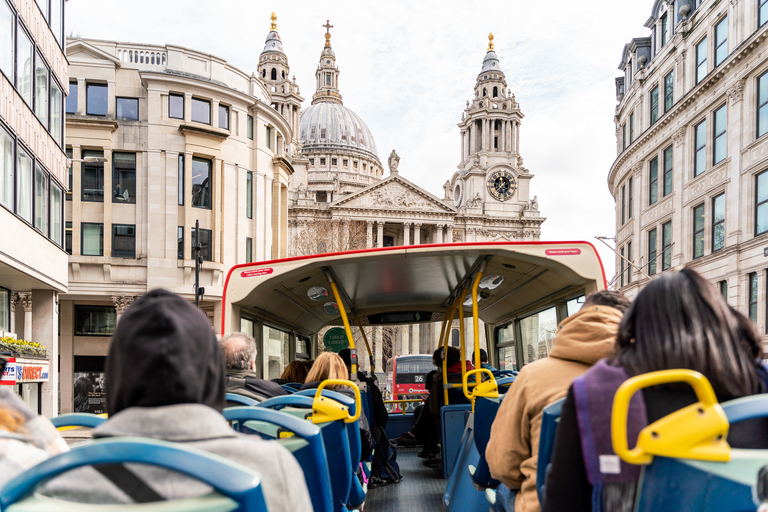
417,379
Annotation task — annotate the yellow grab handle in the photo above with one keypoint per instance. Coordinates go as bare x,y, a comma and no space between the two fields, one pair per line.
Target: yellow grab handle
697,431
326,409
487,389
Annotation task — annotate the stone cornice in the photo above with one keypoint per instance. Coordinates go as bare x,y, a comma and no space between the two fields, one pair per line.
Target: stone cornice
197,129
91,122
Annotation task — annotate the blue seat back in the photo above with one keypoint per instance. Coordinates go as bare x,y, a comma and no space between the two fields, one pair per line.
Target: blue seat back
241,484
234,398
290,389
485,413
549,421
295,385
504,383
78,419
453,418
312,457
460,493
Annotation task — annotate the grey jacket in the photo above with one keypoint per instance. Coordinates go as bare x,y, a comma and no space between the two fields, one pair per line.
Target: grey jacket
198,426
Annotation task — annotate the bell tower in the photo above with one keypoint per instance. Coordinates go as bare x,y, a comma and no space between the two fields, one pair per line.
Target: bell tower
327,73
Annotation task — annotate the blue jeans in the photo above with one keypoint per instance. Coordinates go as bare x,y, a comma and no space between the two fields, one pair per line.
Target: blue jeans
505,499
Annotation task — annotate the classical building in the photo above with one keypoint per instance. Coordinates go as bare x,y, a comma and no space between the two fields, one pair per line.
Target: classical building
33,182
339,198
689,180
171,138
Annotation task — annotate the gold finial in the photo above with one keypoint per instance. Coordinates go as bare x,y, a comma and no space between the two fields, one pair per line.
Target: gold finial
328,28
490,41
274,22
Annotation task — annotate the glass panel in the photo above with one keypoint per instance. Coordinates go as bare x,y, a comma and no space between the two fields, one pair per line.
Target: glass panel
7,25
249,127
721,41
698,231
201,111
24,186
181,179
72,98
667,171
248,250
249,195
68,237
127,109
720,138
95,320
763,12
176,106
6,171
718,222
669,89
223,117
43,4
124,177
652,252
68,151
56,230
92,181
701,60
93,239
574,305
753,296
56,113
246,326
123,241
41,91
724,290
654,181
41,200
701,148
762,219
762,187
205,244
57,27
666,234
24,66
180,242
201,183
654,105
538,332
507,358
276,350
96,99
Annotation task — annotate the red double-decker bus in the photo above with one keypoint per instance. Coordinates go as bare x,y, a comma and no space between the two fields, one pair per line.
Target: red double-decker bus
406,379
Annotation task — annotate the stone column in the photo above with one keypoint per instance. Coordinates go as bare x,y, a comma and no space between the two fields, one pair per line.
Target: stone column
368,234
503,137
406,233
14,300
517,138
380,234
44,329
344,235
450,234
334,246
439,233
415,339
25,299
378,350
486,136
416,233
463,137
122,302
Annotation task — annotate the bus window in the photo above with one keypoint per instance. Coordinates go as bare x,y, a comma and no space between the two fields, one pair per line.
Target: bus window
507,358
302,348
538,333
275,347
406,378
246,326
574,305
507,352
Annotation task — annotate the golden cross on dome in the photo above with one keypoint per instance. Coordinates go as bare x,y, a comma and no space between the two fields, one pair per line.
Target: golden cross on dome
328,28
490,41
274,22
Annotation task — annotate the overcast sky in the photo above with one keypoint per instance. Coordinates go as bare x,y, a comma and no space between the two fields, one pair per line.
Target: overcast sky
407,68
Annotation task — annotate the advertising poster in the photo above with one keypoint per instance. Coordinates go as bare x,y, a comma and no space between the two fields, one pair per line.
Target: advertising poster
90,395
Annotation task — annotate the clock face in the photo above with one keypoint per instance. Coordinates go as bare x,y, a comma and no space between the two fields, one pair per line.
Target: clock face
502,185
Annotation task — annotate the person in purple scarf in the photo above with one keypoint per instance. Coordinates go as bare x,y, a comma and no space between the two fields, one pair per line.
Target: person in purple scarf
677,321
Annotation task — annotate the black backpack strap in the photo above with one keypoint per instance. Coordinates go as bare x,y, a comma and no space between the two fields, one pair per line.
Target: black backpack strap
128,482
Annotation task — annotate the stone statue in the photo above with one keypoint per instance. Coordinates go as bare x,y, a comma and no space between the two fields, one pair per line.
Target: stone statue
535,203
393,161
447,188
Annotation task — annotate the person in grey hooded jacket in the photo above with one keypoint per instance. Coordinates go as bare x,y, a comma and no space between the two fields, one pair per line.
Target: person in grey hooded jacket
165,379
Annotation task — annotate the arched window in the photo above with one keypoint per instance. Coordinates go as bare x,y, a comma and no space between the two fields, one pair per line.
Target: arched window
495,92
283,74
485,92
274,74
263,73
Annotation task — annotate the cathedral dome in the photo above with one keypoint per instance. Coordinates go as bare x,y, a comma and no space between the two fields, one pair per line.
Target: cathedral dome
332,126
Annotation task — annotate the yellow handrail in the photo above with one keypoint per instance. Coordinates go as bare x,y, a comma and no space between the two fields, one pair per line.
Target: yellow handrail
462,342
488,389
326,409
475,322
348,330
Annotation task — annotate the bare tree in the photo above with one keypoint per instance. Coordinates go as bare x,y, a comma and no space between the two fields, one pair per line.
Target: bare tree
325,235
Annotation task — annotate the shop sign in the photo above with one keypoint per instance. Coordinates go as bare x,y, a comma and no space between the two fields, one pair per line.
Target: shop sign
9,373
30,370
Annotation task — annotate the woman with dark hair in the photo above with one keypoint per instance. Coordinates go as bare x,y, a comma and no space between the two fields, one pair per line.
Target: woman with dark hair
83,389
677,321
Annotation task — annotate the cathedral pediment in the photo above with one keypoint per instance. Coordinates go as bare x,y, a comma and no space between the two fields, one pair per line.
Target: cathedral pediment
393,193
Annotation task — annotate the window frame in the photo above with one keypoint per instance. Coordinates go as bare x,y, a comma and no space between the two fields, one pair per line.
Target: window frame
718,225
120,253
209,196
249,127
248,250
762,105
666,248
669,91
630,198
118,100
194,101
632,127
180,178
116,178
701,48
668,172
762,12
180,242
752,293
249,195
79,308
653,180
699,227
101,238
623,204
759,204
93,86
209,232
70,96
700,148
718,135
629,262
224,110
653,251
88,167
170,106
654,105
719,44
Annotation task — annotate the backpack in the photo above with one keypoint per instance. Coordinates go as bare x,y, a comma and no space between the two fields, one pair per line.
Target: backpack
390,470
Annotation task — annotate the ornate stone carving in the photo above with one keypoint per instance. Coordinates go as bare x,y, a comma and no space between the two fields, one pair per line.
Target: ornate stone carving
122,302
734,2
679,136
394,195
680,58
393,162
447,189
736,92
25,299
476,202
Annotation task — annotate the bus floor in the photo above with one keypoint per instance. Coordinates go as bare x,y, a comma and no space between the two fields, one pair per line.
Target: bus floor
421,488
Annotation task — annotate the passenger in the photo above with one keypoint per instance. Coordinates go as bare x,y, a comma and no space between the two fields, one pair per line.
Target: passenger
329,366
484,360
166,380
512,452
421,422
239,351
295,373
25,438
677,321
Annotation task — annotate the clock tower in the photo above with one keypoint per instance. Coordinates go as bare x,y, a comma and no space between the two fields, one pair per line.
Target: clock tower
491,179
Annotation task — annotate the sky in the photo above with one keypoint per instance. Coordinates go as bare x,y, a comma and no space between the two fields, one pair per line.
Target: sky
408,68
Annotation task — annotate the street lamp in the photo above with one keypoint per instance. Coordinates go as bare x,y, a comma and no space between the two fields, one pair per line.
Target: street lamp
87,160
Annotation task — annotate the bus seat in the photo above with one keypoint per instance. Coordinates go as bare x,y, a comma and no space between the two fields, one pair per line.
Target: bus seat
311,454
549,420
239,487
235,400
290,389
452,421
461,494
78,419
485,414
295,385
504,383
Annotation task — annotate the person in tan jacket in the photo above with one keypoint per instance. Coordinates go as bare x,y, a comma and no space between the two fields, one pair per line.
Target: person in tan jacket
582,340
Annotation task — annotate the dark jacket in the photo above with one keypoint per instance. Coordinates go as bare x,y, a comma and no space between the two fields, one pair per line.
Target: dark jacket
247,383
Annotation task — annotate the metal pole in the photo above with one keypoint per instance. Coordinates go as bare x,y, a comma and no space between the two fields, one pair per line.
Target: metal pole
197,263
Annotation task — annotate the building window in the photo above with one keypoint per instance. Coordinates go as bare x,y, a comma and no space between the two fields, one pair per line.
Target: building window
761,203
6,167
24,53
201,111
249,127
721,41
721,120
72,98
269,137
311,161
718,222
41,200
180,172
669,91
345,162
176,106
205,244
7,22
321,197
92,178
623,204
752,299
629,198
124,177
23,185
666,245
56,213
95,320
762,105
180,242
653,181
223,117
629,262
68,237
655,104
354,164
249,195
664,30
334,161
123,241
57,127
700,148
621,268
96,99
41,90
127,109
92,239
667,171
201,183
698,231
763,12
631,127
624,136
701,60
248,250
723,286
652,252
322,161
